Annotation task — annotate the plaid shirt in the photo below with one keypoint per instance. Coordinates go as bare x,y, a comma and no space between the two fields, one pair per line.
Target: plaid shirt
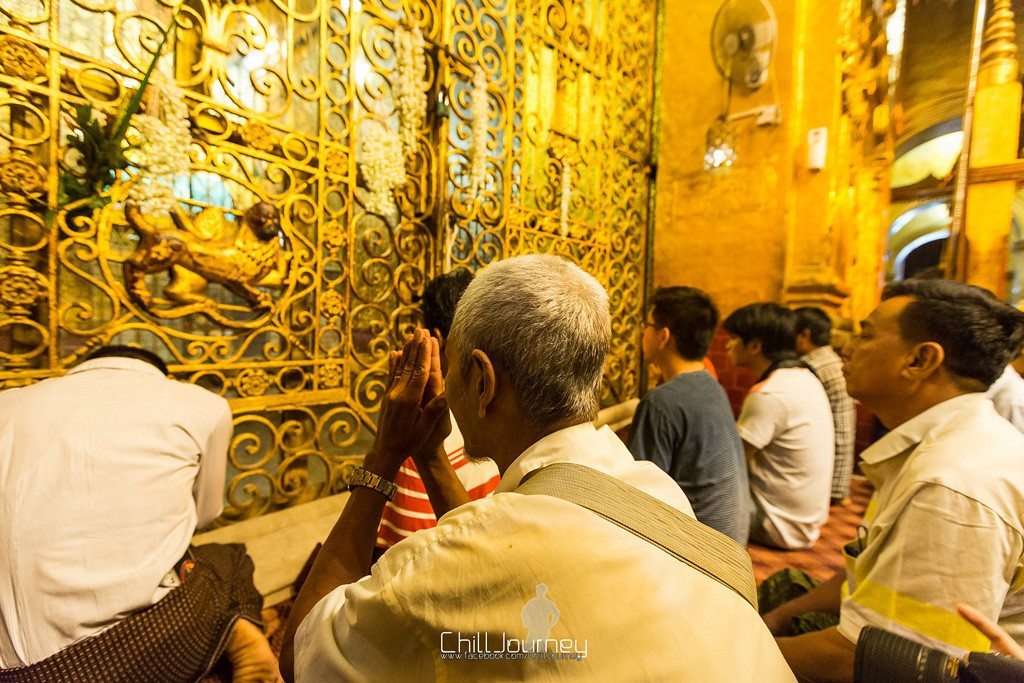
828,366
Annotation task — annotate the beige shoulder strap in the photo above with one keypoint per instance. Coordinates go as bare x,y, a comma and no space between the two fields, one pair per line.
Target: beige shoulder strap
646,517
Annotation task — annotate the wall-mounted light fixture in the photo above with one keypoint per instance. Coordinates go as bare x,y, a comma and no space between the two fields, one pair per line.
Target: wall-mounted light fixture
721,145
742,44
721,137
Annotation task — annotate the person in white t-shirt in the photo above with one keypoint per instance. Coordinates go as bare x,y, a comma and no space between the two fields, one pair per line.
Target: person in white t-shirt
786,427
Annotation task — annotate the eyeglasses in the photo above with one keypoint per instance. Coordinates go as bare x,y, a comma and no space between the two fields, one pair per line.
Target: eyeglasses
648,323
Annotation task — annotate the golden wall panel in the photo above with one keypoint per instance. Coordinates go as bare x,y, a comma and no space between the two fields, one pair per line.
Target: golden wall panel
287,101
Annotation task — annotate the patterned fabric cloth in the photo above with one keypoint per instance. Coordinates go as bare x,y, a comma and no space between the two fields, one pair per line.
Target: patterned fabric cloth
828,366
411,510
789,584
177,639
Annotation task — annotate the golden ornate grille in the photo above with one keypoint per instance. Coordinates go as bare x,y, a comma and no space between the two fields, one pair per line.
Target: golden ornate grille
282,96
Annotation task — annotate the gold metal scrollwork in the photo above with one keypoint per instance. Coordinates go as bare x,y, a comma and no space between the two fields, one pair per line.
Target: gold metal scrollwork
20,59
293,328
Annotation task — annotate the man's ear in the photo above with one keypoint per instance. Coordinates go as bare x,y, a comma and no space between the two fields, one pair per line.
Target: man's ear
437,334
664,338
926,358
486,381
754,346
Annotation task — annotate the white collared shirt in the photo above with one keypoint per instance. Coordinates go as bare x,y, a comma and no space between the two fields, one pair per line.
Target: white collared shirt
1007,395
946,525
105,474
471,585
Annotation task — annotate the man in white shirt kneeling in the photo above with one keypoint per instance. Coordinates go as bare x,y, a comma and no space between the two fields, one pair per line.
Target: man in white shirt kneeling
105,474
516,586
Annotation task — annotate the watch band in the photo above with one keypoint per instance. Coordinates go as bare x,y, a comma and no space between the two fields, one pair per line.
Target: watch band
361,477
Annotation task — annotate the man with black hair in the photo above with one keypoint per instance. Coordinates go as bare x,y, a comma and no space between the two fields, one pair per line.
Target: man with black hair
412,508
814,344
786,427
685,426
946,524
105,475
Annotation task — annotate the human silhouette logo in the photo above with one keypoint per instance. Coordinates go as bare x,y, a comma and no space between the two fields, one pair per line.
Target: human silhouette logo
539,616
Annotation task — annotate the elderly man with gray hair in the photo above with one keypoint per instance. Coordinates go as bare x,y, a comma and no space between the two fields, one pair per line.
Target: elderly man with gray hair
574,514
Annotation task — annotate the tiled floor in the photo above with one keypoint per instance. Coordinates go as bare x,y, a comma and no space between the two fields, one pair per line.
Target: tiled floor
825,557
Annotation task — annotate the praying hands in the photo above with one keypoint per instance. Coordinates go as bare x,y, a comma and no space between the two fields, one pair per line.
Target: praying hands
413,419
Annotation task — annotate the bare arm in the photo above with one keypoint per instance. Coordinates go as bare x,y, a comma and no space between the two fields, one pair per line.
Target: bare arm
444,488
826,598
409,421
825,656
343,559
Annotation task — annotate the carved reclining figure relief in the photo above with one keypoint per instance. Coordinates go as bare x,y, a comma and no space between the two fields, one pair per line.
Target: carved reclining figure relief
200,251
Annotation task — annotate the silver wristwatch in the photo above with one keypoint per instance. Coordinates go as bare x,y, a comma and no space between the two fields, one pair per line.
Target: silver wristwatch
361,477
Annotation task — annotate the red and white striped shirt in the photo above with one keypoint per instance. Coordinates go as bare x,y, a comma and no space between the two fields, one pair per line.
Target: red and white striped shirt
411,510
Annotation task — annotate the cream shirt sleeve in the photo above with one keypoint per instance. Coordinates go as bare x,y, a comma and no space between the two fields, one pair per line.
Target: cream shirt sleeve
761,418
358,633
943,549
208,489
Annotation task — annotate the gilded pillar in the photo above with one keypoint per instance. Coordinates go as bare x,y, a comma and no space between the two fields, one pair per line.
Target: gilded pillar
837,221
994,138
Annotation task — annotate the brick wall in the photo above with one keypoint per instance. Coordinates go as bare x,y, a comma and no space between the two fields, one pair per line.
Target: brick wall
737,381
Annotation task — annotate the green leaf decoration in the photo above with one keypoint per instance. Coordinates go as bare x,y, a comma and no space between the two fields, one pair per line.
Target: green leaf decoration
103,148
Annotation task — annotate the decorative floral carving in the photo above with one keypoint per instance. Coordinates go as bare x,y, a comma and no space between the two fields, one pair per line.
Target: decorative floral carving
252,382
334,236
332,304
330,375
20,176
258,136
20,59
20,287
336,161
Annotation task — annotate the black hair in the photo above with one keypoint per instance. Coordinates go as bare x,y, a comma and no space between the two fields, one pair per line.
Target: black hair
440,297
817,321
979,334
122,351
929,273
690,316
770,323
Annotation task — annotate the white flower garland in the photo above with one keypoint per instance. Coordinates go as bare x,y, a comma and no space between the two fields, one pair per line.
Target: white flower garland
478,110
411,85
563,220
163,152
383,167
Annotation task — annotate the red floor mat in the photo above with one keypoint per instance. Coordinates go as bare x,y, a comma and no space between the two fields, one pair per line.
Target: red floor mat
825,557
